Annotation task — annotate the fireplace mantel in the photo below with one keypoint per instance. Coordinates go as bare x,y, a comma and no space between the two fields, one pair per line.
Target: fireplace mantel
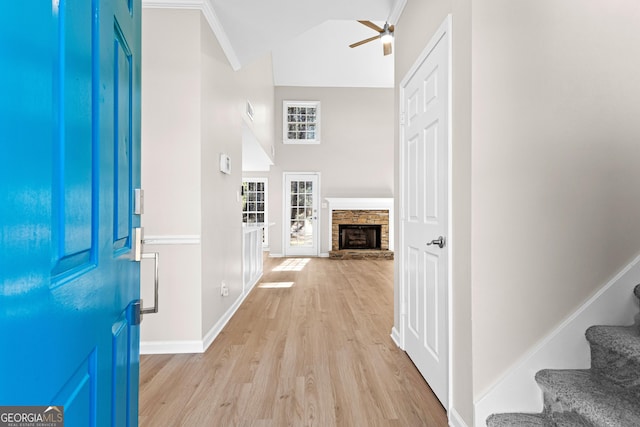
361,203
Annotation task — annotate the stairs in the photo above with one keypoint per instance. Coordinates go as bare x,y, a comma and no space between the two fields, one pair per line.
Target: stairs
606,395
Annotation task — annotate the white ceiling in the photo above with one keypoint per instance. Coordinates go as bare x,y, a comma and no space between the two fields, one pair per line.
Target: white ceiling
322,57
256,27
309,39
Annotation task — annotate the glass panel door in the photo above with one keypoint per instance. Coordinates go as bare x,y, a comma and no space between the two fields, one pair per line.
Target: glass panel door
301,214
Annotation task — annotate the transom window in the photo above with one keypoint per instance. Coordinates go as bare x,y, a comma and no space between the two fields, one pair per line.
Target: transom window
301,122
254,204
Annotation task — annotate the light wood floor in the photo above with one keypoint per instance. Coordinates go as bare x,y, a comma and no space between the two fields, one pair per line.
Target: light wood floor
316,353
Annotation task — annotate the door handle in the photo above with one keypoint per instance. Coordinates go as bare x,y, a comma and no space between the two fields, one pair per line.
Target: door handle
440,241
139,255
156,282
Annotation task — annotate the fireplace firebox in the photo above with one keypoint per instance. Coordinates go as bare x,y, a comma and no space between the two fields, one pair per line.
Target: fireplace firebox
359,236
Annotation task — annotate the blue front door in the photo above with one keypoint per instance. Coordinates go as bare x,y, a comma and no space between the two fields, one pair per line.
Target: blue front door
69,161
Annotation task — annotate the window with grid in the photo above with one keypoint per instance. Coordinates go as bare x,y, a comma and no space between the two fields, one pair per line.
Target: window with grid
301,122
254,204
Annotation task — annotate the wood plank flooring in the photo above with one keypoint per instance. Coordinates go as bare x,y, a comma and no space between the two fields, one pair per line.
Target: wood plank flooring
310,346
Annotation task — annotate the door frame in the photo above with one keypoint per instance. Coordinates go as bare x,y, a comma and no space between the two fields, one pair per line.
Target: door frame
444,29
285,213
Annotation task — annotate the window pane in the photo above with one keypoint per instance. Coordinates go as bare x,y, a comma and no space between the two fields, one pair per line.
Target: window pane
260,217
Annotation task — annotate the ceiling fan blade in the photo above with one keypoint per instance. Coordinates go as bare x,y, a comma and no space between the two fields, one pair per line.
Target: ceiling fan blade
391,28
371,25
386,49
361,42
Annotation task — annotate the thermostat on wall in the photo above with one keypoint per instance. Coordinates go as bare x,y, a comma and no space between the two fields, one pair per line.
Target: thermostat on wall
225,164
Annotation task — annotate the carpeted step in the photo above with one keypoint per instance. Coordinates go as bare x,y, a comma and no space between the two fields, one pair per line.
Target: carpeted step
636,292
518,419
615,354
582,392
536,420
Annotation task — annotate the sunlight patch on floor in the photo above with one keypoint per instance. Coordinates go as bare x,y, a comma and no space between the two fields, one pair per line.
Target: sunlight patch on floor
276,285
292,264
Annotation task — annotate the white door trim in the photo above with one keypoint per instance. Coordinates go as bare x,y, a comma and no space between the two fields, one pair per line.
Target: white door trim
285,213
445,28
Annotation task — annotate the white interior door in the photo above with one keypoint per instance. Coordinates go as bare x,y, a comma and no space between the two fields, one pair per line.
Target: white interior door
301,193
424,204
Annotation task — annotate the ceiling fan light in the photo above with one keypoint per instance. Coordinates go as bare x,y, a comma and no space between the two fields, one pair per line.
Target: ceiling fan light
386,37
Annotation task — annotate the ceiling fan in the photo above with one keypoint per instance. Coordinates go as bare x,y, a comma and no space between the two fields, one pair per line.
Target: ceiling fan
384,34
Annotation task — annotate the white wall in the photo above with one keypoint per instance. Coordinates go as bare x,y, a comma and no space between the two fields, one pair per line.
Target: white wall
355,156
193,110
555,165
171,88
224,96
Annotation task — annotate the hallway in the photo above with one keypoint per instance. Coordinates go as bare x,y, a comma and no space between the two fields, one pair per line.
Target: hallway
310,346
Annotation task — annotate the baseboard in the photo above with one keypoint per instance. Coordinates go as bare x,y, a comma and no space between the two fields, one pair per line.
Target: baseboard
324,255
564,348
395,336
222,322
170,347
178,347
272,255
455,420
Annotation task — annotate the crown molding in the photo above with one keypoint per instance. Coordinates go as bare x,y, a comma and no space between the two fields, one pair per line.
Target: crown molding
209,14
398,7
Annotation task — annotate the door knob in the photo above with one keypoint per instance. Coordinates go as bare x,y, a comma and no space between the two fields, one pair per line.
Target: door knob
440,241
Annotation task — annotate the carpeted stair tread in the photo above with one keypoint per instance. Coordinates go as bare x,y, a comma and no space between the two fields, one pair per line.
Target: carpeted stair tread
562,419
580,391
518,419
624,340
606,395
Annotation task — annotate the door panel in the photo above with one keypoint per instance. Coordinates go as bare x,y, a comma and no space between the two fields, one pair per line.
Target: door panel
424,201
301,214
69,134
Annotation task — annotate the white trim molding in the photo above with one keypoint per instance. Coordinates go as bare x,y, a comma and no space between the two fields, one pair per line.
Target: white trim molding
396,11
455,420
361,203
564,348
171,347
171,240
209,13
395,336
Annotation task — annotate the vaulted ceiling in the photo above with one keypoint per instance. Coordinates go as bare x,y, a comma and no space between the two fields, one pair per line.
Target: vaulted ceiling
308,39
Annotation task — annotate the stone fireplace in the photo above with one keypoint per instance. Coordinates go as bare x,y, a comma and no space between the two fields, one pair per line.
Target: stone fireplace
361,228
